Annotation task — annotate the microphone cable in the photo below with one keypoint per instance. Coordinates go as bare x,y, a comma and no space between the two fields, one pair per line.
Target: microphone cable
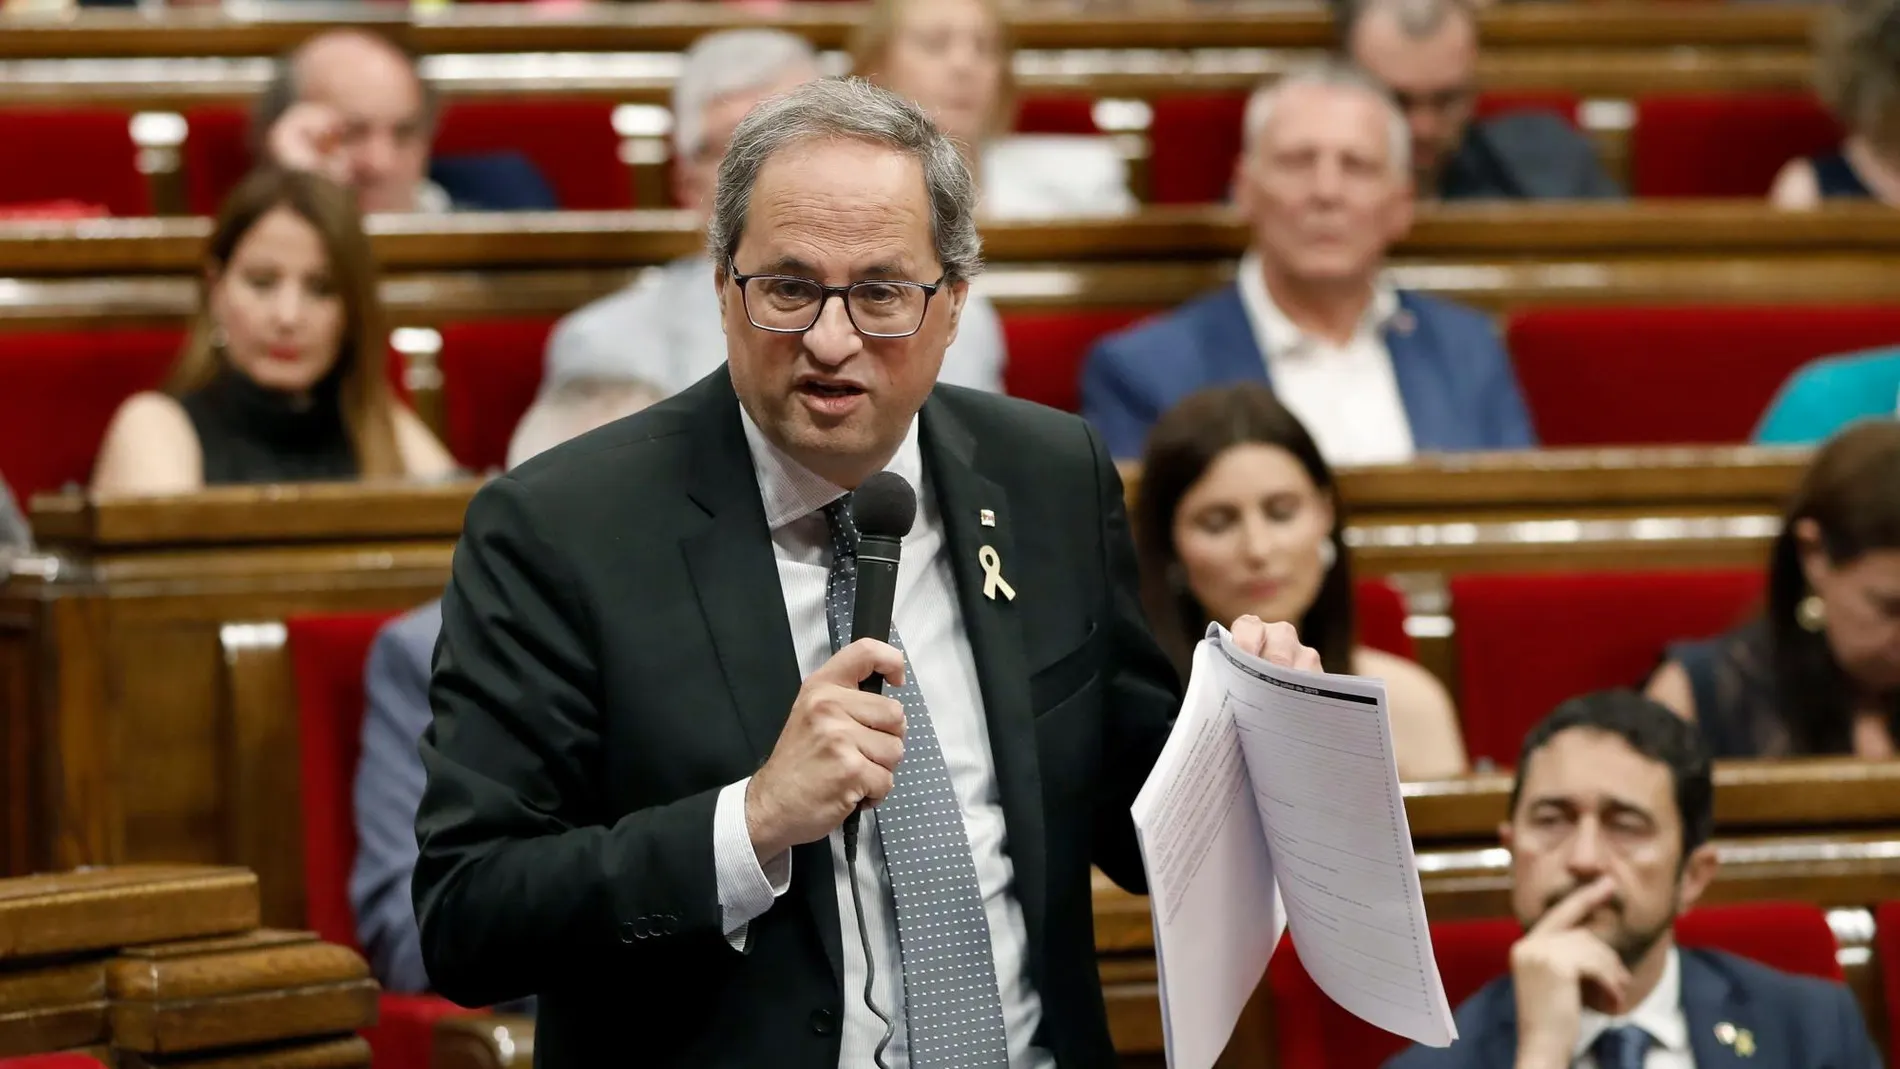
864,941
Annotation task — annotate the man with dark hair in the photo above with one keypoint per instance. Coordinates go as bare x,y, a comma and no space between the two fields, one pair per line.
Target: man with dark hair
350,104
1609,828
1426,54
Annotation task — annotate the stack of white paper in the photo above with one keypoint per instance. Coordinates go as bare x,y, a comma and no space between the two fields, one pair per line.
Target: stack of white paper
1276,801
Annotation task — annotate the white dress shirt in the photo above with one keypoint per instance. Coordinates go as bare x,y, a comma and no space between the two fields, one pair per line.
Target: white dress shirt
928,618
1660,1015
1346,395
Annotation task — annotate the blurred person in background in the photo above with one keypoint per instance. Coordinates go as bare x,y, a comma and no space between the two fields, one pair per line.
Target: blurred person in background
1375,373
954,58
1237,514
389,775
1425,52
1857,75
1610,817
1826,395
283,377
664,329
14,534
1819,671
350,105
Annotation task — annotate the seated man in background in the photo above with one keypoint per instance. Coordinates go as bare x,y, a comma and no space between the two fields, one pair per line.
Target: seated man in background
1425,52
1609,830
665,328
1375,373
351,105
389,777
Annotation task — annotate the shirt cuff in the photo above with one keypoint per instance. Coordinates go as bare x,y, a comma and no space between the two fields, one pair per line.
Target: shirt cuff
746,888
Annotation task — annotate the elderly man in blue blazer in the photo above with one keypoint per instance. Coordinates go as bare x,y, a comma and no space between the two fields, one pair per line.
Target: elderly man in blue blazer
1375,373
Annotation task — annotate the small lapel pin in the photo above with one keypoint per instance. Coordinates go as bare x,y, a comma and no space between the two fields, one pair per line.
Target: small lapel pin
1739,1038
993,580
1725,1034
986,517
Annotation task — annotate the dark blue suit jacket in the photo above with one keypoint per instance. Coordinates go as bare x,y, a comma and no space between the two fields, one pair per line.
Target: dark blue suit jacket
1798,1022
1453,374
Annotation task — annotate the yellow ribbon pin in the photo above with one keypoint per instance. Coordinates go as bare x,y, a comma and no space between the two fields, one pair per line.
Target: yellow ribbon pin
993,580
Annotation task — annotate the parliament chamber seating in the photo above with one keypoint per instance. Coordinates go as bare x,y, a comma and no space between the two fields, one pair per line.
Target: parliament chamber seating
1887,948
1527,642
1723,144
71,154
1047,350
1313,1032
58,392
491,371
1647,375
328,653
52,1061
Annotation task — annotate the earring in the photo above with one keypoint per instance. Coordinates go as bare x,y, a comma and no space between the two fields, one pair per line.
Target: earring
1328,555
219,340
1811,613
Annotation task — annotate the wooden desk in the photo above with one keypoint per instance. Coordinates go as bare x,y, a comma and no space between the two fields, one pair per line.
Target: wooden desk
673,26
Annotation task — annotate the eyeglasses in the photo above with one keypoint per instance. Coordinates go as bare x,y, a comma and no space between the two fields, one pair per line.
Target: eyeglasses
877,308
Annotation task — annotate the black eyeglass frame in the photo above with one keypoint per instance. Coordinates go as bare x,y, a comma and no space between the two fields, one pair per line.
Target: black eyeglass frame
826,293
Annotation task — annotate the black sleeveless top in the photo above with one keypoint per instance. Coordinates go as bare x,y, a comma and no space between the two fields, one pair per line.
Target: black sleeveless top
1837,180
253,435
1733,680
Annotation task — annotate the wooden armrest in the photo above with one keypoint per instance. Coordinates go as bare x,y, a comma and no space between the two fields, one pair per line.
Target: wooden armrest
500,1042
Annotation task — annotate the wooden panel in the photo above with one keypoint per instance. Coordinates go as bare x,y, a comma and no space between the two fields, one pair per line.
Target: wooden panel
77,911
51,1028
351,1052
241,515
60,984
261,766
229,1021
499,1042
271,960
673,26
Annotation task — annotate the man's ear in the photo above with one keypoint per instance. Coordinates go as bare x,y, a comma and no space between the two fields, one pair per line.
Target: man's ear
721,292
1697,873
959,296
1507,838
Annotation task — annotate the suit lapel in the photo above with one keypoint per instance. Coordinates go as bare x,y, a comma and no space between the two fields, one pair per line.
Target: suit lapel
733,569
1230,349
1719,1018
994,628
1415,367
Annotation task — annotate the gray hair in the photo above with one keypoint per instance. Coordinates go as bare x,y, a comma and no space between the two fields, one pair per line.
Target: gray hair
850,109
1332,74
1417,19
574,406
731,61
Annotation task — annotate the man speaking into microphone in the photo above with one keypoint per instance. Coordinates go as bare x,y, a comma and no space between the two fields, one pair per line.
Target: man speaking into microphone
649,728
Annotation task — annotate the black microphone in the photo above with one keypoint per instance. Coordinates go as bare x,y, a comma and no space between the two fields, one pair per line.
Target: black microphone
883,507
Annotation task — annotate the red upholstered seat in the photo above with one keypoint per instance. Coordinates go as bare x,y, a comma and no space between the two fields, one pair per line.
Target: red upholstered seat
52,1061
59,391
491,371
82,154
1727,145
216,155
1314,1033
328,653
1887,940
1047,349
1053,113
1680,374
1381,612
1528,642
1561,104
571,142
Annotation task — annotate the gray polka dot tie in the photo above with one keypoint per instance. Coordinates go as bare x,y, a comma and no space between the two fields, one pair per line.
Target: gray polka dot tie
951,1006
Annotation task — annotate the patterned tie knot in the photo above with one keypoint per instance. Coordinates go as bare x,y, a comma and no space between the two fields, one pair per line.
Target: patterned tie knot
844,530
1621,1048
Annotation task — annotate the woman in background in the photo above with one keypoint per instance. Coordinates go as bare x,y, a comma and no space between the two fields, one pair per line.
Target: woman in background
1857,74
283,375
953,57
1819,672
1238,513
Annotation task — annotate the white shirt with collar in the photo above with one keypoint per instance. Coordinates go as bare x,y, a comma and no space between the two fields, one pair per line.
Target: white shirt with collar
927,616
1347,395
1660,1014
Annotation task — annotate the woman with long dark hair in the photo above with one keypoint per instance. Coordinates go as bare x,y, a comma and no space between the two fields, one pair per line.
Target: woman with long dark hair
1237,513
1819,671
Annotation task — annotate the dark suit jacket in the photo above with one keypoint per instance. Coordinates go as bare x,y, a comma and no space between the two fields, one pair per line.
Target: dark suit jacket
615,650
1526,155
1454,378
493,182
1798,1022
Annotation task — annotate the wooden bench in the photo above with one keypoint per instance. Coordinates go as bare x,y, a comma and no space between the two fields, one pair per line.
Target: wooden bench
166,965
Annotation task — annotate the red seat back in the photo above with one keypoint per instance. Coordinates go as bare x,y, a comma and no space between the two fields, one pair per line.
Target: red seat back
571,142
1887,936
216,155
1056,113
327,655
1727,145
1561,104
1312,1032
1047,349
59,391
1193,141
491,371
1380,609
1635,376
1516,662
82,154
